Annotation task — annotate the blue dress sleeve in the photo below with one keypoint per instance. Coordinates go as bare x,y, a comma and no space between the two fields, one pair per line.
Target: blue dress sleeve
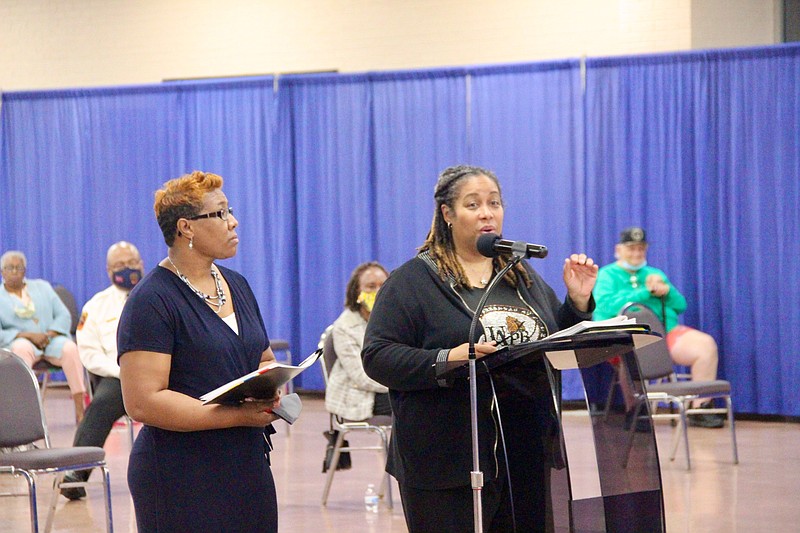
146,324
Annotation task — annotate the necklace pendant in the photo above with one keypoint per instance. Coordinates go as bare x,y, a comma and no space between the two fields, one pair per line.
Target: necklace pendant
207,298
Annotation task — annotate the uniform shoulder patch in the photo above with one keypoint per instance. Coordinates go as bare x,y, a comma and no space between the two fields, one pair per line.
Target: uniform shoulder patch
82,320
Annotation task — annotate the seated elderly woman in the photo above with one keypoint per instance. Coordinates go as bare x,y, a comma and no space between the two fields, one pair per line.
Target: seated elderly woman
350,393
35,324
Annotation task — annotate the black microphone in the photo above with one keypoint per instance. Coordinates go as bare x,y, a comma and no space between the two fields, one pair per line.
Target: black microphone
491,245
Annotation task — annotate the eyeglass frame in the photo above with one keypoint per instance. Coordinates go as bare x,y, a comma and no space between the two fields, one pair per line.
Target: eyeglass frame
14,268
221,214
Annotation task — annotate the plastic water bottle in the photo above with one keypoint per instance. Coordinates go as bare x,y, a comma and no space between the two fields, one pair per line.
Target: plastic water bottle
371,499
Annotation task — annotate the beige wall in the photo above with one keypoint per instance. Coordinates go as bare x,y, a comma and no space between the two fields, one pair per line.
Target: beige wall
84,43
728,23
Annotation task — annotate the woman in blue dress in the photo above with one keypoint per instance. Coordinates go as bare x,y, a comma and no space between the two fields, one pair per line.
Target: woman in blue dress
188,327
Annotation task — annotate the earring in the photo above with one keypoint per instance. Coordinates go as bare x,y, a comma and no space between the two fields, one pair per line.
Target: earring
191,243
450,226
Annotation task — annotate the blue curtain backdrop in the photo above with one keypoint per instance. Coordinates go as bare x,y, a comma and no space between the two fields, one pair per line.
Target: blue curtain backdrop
419,125
702,150
229,129
332,174
527,125
327,171
79,169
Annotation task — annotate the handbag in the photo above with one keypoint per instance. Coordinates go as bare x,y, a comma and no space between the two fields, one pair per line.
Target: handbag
344,462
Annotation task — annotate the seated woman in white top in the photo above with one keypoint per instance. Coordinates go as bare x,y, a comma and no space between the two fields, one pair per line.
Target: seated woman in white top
350,393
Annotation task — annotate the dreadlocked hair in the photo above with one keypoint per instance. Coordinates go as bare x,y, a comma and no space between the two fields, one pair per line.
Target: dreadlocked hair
439,243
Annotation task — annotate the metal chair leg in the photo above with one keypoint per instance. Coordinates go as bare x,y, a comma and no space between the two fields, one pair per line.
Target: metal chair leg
731,422
51,509
337,451
31,481
684,427
386,486
45,383
131,430
631,434
107,499
610,397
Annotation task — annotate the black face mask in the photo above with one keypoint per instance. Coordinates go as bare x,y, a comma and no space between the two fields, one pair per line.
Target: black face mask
126,278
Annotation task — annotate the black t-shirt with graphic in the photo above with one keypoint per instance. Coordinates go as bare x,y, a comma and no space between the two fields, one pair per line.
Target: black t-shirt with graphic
507,319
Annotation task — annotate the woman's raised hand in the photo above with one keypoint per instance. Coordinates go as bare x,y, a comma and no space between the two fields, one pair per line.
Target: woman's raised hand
580,274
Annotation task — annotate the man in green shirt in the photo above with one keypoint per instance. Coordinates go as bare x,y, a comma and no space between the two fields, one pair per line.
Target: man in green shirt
631,279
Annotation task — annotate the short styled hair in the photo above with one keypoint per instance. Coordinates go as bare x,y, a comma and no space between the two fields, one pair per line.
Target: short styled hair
182,198
11,254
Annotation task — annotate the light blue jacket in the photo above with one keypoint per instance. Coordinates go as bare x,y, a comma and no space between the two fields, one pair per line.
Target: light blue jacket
51,313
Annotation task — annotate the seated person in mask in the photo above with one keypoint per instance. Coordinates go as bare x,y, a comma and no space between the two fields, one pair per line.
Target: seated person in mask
350,393
97,345
631,279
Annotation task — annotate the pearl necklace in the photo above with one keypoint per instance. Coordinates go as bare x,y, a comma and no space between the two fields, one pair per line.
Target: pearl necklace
207,298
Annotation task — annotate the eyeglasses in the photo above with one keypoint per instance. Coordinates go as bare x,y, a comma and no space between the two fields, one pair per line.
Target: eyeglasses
222,213
132,264
13,268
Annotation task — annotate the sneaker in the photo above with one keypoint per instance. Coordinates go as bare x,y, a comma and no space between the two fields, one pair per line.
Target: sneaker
73,493
705,421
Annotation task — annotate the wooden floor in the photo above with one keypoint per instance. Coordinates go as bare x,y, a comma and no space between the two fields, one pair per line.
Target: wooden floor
759,494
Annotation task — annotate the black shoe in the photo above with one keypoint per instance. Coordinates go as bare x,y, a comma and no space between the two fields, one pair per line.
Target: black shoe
73,493
706,421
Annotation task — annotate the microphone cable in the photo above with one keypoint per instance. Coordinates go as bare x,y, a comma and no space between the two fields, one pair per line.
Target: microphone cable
503,442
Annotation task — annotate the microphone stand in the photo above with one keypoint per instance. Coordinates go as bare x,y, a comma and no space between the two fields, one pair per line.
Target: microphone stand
476,476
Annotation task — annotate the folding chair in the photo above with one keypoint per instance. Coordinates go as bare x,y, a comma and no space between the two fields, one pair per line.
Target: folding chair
281,346
22,424
43,368
380,425
663,387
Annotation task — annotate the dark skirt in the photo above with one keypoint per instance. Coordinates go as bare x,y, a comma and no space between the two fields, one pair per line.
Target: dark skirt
203,481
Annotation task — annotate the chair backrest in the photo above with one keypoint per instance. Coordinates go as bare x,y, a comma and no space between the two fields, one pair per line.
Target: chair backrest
279,345
21,414
654,359
328,352
69,300
644,315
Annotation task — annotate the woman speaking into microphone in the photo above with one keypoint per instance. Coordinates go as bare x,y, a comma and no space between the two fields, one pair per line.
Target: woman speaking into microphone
421,320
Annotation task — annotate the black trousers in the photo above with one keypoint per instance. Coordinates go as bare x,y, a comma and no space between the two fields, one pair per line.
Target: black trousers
105,409
451,510
382,406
